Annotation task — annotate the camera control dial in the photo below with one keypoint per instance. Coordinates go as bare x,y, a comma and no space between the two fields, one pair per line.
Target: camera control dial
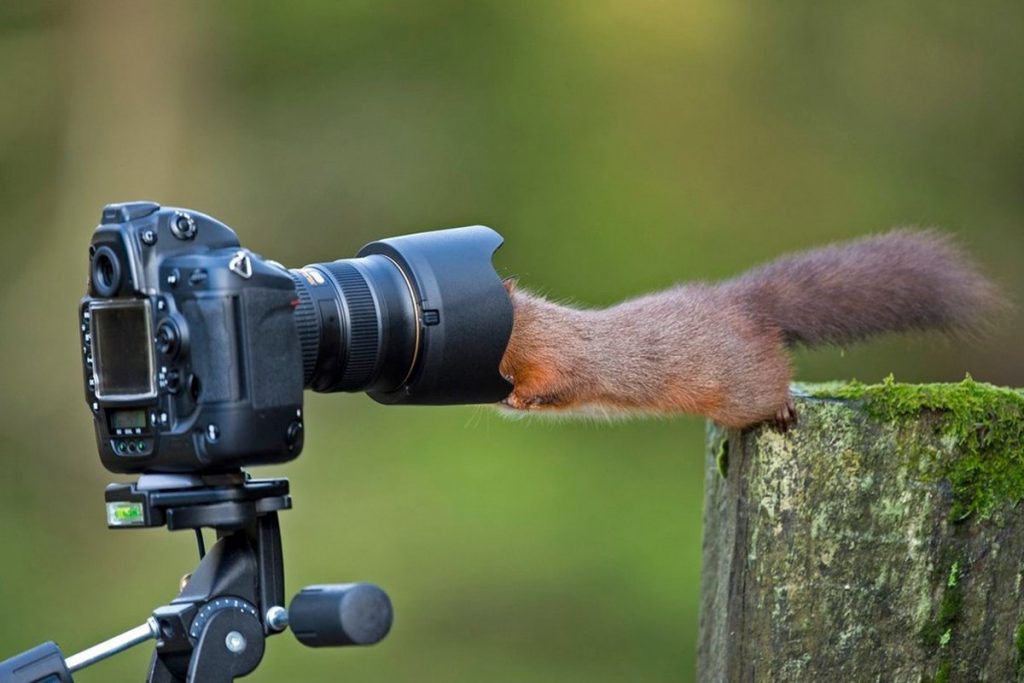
168,338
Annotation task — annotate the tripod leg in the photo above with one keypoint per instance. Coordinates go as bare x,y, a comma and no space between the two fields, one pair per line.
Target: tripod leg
159,673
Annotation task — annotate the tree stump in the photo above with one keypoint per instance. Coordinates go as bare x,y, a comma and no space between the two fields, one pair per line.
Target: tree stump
879,540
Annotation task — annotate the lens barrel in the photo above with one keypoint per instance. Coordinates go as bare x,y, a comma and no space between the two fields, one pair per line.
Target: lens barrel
421,319
357,322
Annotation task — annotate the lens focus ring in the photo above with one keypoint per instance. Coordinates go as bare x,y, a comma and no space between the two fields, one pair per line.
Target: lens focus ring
364,334
308,327
357,321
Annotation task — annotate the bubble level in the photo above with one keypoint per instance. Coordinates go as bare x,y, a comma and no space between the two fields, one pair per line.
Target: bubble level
124,513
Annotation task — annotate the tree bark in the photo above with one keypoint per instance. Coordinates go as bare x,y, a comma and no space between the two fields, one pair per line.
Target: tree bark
879,540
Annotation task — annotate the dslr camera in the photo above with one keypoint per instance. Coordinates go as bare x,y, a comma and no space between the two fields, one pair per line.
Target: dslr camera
196,351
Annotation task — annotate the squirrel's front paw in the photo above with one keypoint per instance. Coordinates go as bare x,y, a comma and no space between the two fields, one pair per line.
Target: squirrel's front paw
517,401
540,361
530,394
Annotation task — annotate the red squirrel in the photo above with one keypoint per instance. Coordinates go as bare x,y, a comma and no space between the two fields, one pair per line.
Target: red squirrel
721,350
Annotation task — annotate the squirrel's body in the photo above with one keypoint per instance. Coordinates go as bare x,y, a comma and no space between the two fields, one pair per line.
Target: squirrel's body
721,350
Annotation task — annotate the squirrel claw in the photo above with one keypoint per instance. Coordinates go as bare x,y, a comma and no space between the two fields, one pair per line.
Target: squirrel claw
786,416
517,402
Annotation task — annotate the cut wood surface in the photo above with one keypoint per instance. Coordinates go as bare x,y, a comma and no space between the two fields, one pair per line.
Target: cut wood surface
879,540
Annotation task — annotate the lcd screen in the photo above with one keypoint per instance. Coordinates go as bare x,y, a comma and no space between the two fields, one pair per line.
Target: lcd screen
122,351
127,419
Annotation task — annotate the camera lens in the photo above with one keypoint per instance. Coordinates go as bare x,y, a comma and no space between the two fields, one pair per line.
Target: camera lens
416,319
106,272
357,320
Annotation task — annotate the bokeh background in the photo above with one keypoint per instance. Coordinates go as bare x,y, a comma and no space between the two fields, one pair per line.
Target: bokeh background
619,145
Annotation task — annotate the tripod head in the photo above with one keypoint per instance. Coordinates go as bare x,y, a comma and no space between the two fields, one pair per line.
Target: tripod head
216,628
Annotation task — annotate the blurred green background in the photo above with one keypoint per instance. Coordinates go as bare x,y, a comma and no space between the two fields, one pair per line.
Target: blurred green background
619,146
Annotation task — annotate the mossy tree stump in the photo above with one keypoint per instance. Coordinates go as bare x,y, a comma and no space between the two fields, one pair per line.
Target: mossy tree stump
880,540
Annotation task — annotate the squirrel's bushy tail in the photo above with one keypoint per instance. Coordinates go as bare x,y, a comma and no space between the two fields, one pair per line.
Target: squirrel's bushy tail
899,281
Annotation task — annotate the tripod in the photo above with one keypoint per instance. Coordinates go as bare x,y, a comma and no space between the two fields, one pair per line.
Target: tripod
215,630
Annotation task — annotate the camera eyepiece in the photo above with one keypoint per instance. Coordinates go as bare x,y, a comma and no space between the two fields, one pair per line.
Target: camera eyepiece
106,272
419,319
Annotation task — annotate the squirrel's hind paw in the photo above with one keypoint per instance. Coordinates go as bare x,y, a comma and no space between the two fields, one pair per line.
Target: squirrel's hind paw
786,416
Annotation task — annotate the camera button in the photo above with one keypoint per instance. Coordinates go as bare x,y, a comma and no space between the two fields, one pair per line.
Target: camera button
183,226
293,434
195,387
173,381
197,277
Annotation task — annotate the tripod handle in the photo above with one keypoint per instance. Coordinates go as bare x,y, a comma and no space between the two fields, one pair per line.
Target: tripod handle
340,614
42,664
47,664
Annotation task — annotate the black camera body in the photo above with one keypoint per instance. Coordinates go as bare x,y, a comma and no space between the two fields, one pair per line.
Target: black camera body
191,354
196,351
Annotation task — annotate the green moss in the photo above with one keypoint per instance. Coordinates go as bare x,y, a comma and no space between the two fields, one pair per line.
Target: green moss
1019,642
722,458
718,437
954,575
939,631
985,423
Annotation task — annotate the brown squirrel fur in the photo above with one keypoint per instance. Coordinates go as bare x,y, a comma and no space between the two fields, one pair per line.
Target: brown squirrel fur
721,350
